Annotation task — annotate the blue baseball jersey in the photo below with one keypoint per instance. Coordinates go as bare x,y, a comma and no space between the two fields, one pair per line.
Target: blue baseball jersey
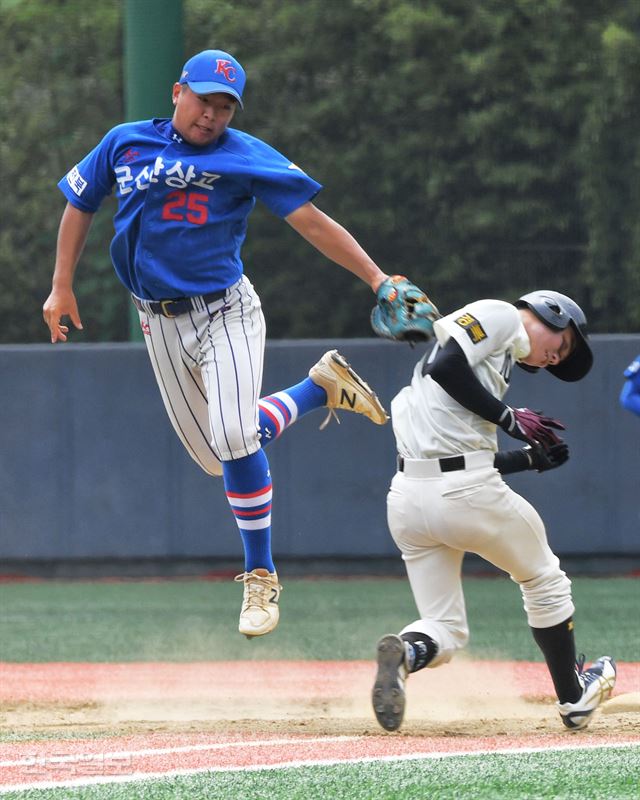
630,394
182,210
633,370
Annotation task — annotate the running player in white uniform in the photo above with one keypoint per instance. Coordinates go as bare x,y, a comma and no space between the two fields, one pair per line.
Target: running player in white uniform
185,187
448,496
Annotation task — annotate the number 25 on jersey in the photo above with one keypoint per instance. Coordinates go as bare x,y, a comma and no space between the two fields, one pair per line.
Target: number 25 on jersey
189,206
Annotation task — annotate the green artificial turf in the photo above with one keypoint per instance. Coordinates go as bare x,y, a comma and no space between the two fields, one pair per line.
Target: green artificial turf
611,773
320,619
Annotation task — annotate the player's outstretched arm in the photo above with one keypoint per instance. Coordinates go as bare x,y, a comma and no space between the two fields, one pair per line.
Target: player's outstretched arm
72,235
335,242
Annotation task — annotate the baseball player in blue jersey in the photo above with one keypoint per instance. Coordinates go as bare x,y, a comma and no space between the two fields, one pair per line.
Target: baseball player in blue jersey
630,394
185,187
448,496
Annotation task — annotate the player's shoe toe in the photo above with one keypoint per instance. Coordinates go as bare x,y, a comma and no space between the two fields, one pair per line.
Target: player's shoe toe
597,682
260,611
345,389
388,694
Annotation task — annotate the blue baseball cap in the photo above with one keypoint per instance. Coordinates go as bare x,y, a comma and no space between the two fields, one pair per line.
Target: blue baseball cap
213,71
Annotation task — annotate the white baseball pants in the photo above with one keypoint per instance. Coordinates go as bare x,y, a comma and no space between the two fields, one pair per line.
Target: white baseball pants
435,517
208,364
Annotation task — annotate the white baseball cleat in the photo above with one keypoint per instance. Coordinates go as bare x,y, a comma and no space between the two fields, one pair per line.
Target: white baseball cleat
260,611
345,389
597,684
388,695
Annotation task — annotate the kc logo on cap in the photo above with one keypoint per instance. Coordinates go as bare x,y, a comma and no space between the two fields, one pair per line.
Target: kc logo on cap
226,68
213,71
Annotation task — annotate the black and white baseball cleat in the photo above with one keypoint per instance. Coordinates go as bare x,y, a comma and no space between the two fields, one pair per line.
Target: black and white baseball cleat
597,683
388,696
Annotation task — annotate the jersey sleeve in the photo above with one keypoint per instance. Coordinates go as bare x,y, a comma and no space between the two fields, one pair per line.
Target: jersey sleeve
280,184
630,397
633,370
484,328
92,179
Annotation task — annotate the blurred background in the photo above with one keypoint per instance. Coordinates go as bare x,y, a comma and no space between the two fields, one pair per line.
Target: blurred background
482,148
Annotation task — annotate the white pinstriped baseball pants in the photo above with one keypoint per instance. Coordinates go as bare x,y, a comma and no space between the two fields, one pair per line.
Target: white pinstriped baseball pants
435,517
208,365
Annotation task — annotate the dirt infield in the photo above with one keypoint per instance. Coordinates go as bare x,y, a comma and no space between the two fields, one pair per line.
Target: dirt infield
81,720
322,696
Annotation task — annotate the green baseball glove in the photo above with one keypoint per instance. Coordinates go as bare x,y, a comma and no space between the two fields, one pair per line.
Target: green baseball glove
403,312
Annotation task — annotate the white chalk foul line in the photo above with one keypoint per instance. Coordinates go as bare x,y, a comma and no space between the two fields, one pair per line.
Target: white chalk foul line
329,762
34,760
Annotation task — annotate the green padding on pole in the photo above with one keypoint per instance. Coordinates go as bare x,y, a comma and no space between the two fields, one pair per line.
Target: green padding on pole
153,57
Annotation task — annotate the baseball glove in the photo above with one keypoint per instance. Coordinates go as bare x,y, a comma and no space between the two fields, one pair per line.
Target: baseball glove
403,312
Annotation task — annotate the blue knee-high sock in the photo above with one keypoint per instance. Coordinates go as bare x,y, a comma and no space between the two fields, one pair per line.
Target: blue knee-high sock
279,410
247,483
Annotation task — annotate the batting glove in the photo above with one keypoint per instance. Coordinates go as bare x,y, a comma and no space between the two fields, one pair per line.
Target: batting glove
530,426
542,460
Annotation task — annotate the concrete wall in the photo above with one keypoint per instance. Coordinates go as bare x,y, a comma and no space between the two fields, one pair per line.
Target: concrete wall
91,469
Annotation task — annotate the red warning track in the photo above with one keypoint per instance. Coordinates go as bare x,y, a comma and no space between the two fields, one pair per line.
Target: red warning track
333,692
86,682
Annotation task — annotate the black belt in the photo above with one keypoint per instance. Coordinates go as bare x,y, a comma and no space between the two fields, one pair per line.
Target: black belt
448,464
174,308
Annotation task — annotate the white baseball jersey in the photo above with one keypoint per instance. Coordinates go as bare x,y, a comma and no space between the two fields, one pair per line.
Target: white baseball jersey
429,423
435,515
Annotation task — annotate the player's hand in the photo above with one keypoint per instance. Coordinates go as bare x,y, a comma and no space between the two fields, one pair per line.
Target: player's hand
531,427
543,460
60,303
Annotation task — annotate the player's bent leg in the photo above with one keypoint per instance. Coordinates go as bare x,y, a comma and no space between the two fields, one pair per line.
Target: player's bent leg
546,592
231,358
580,692
332,383
279,411
557,645
549,607
434,569
345,389
181,388
547,595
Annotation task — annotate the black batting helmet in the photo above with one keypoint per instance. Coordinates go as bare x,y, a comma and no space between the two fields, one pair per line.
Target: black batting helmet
558,311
